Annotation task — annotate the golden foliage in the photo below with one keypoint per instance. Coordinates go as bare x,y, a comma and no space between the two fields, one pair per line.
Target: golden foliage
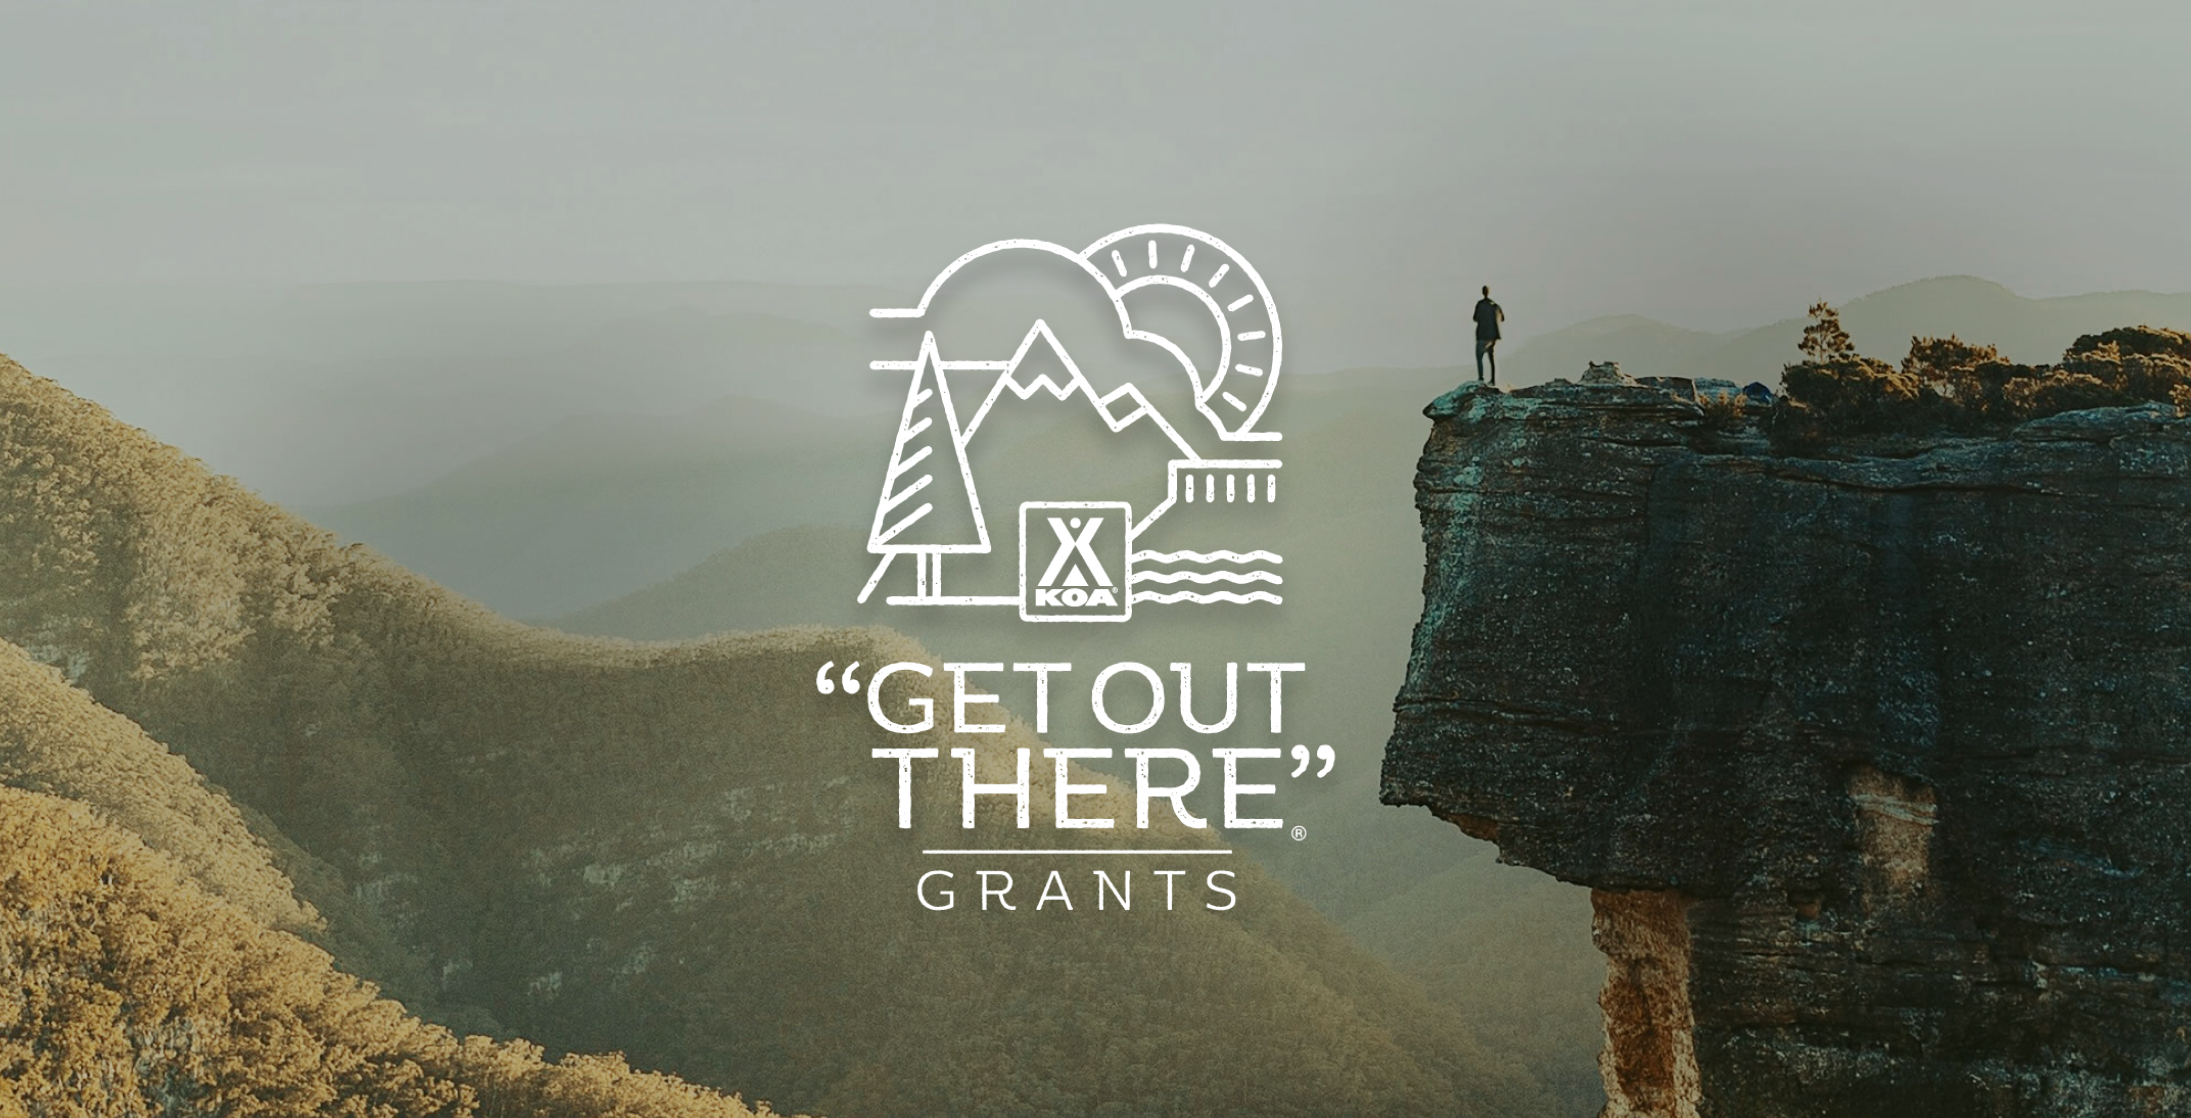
78,515
1724,411
1938,360
54,739
1824,340
1947,384
125,990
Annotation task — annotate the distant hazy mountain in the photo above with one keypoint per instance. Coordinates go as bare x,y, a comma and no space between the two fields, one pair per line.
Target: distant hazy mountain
599,505
594,506
339,393
358,390
681,852
1881,324
173,978
602,505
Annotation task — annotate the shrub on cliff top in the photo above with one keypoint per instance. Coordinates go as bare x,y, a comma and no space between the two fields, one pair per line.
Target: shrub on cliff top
1996,393
2144,362
2145,341
1947,384
1937,361
1861,394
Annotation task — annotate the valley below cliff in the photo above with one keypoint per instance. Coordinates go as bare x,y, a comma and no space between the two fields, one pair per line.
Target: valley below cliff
678,852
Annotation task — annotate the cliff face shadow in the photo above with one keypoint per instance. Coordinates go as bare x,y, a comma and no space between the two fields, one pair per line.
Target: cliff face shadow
1871,762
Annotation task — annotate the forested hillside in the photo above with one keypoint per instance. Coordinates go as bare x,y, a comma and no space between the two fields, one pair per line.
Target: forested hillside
681,852
130,991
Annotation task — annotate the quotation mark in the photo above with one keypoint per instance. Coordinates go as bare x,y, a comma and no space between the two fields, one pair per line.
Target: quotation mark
1326,753
828,686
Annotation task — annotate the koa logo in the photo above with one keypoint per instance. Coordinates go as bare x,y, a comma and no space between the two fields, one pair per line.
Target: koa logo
1077,581
1164,541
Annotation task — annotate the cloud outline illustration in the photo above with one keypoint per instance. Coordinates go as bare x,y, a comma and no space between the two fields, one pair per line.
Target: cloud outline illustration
1149,269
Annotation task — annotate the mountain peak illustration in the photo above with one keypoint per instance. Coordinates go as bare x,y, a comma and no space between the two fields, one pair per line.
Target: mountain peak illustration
1042,364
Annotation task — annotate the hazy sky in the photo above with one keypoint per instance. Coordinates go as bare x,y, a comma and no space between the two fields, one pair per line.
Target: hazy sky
1715,164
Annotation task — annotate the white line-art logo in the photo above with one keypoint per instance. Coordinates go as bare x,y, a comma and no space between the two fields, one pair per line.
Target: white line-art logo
1084,560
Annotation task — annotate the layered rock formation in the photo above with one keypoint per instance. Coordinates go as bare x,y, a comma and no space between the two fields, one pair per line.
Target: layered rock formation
1877,765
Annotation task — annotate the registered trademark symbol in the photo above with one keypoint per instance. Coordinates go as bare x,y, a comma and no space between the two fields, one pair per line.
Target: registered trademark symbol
1300,833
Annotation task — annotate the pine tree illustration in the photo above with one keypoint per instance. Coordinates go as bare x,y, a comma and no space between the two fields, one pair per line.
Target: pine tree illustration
928,506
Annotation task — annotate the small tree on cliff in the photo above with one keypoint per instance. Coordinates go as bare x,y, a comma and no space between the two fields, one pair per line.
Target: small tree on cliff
1835,389
1824,340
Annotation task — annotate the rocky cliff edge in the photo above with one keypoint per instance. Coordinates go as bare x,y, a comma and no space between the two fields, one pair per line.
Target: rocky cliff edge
1876,764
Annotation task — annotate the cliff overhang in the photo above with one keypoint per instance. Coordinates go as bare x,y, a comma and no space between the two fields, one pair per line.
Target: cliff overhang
1875,762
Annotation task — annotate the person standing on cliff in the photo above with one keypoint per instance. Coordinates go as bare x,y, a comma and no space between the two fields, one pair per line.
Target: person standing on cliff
1488,317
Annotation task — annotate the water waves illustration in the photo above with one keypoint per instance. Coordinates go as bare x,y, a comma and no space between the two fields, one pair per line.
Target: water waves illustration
1200,599
1206,577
